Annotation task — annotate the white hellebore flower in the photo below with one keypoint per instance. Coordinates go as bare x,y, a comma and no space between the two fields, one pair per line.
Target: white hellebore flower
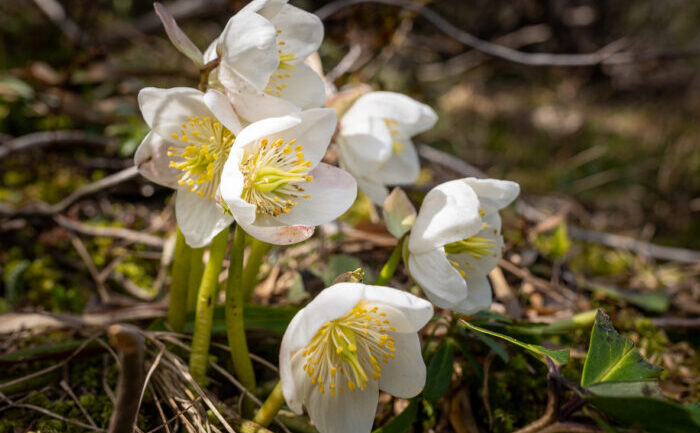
274,183
262,52
348,343
374,141
456,241
191,137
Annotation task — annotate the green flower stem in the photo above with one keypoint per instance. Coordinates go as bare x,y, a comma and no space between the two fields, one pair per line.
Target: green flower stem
272,405
204,313
390,266
242,365
195,277
178,288
258,249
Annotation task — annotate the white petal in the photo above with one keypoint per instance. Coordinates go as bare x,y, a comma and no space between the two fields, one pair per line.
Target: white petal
248,47
406,312
350,412
449,213
436,276
493,194
279,235
413,116
376,191
402,168
398,212
219,104
254,106
301,31
478,297
304,88
210,53
332,303
404,376
231,187
331,193
266,8
295,381
364,147
484,265
177,36
313,133
266,128
153,161
200,219
164,110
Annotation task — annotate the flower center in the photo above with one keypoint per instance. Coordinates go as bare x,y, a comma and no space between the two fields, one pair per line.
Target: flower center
347,351
208,145
273,174
397,145
475,246
278,79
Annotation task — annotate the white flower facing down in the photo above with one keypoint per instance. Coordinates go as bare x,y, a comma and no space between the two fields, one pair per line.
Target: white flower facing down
190,148
348,343
262,51
274,183
374,141
456,241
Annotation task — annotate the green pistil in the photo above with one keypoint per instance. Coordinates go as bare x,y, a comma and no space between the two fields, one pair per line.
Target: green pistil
475,246
268,179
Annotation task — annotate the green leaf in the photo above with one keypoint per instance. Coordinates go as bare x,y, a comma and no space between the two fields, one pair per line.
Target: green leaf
655,302
559,357
650,414
268,318
439,374
490,342
402,422
643,388
612,357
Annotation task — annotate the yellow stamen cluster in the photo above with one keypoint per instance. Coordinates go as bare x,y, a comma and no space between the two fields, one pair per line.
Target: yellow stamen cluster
347,352
397,145
208,145
476,246
277,81
273,174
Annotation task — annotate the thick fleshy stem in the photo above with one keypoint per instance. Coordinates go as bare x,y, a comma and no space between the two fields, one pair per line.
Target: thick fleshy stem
195,277
178,288
258,249
204,313
242,364
272,405
390,266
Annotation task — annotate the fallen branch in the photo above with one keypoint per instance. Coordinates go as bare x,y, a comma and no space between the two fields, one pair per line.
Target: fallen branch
37,140
111,232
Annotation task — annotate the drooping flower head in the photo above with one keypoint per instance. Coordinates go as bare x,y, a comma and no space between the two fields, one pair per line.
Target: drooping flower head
262,51
456,241
267,175
348,343
274,179
374,141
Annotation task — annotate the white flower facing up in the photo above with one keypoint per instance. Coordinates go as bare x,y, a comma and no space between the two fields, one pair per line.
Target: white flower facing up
262,52
456,241
348,343
274,183
374,141
191,136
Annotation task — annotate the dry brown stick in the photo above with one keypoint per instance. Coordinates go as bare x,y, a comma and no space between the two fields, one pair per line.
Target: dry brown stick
129,344
570,427
550,413
51,414
72,395
605,55
41,208
36,140
85,255
525,274
110,232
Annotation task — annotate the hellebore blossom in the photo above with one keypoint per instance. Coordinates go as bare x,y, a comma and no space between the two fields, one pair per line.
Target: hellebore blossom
374,141
348,343
274,183
456,241
262,52
191,136
273,167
